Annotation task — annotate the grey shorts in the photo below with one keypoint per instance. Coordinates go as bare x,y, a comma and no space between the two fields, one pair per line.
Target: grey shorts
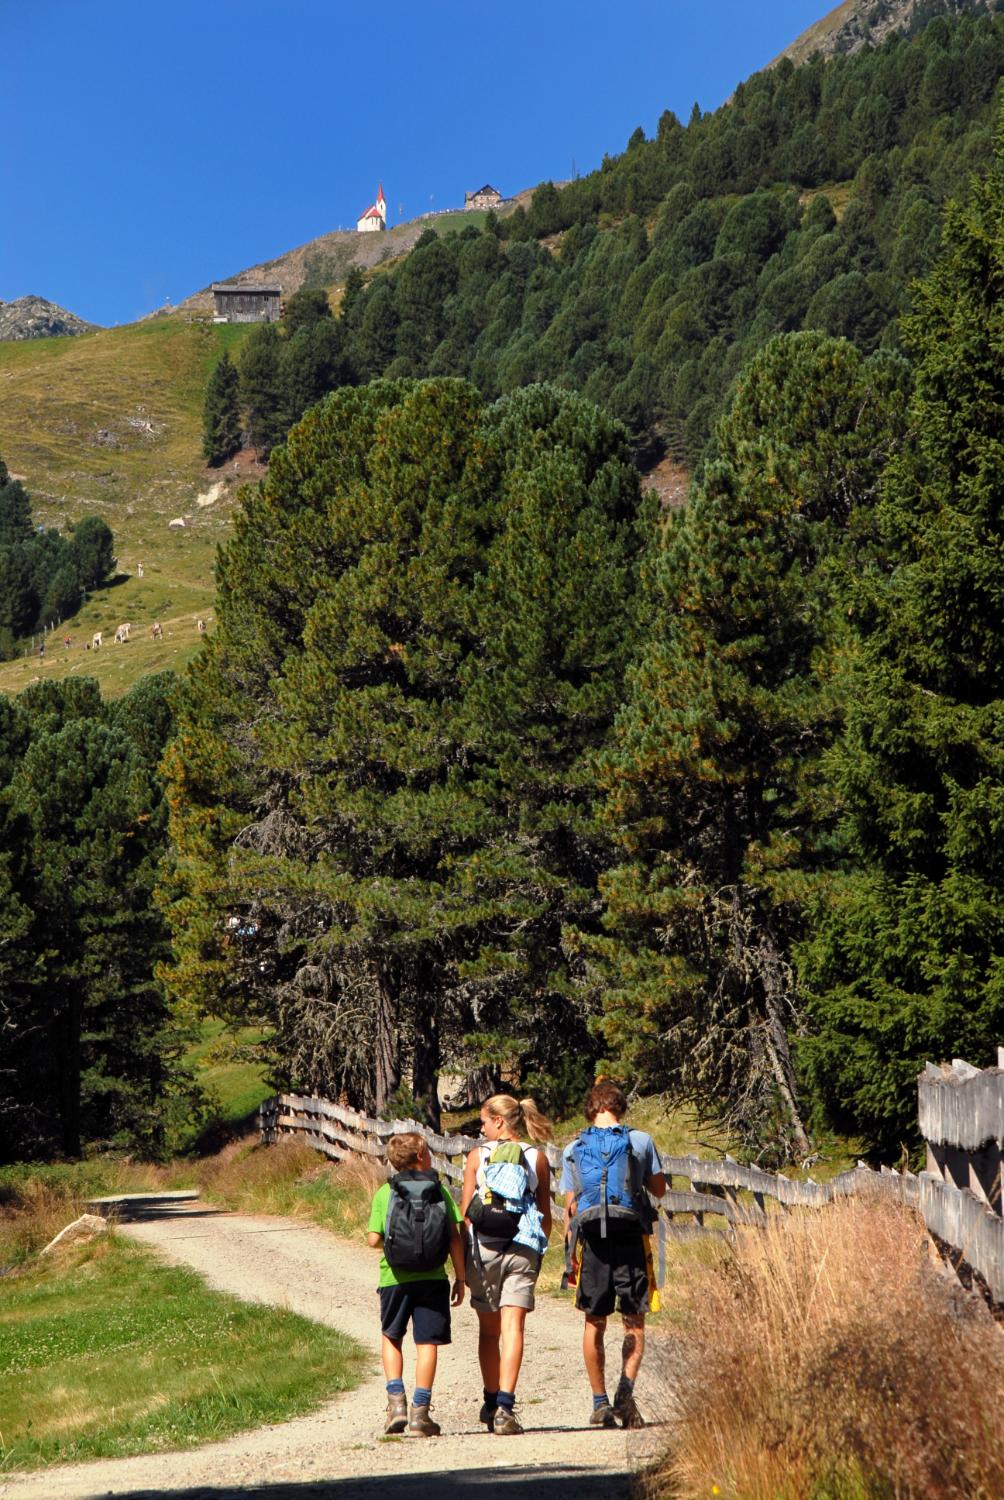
503,1278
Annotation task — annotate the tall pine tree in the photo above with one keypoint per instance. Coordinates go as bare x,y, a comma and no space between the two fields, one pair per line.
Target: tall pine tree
709,783
907,956
221,417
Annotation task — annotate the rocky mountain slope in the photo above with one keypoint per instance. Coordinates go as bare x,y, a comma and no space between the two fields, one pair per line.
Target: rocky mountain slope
35,318
329,258
866,23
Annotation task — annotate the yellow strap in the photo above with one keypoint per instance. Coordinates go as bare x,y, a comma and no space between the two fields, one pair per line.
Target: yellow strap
654,1300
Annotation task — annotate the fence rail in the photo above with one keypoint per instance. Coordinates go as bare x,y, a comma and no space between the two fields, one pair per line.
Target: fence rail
961,1114
728,1192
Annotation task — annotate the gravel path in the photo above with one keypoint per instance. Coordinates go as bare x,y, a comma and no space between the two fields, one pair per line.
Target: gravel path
337,1453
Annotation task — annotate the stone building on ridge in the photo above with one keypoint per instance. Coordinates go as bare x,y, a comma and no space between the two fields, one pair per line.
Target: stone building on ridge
485,197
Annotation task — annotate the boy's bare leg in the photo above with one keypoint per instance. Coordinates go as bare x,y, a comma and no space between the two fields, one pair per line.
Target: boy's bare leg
392,1357
425,1364
594,1353
513,1320
489,1334
634,1345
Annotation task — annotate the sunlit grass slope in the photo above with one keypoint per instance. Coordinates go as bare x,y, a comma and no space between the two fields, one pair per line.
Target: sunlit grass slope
110,424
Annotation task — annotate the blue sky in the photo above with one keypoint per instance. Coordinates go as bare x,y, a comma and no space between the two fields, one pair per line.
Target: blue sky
151,146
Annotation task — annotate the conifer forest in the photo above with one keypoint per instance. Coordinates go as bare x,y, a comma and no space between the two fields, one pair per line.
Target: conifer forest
494,766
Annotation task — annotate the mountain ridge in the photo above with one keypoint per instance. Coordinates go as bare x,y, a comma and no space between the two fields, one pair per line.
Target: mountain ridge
855,24
34,317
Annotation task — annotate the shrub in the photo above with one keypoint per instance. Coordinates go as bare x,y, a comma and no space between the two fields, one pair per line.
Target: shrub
830,1361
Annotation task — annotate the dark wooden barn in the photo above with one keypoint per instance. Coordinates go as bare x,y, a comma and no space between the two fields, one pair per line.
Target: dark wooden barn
236,303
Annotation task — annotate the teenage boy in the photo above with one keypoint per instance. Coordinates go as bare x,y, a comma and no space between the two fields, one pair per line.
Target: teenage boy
605,1171
419,1295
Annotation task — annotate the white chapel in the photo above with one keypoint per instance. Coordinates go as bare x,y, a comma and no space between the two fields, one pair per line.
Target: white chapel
375,216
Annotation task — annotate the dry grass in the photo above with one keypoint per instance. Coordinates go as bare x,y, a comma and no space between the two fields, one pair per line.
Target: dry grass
291,1179
37,1201
828,1360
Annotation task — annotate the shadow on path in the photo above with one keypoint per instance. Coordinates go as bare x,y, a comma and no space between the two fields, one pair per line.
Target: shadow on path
538,1482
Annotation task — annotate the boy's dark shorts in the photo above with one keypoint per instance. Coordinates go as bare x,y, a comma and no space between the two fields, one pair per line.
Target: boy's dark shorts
423,1304
612,1271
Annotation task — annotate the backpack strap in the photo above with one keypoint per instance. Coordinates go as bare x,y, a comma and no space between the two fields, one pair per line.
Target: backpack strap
573,1167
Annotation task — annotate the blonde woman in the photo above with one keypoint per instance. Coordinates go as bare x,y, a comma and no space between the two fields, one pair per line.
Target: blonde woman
507,1203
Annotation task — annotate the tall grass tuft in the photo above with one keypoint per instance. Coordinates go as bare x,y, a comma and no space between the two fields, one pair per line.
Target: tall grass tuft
829,1360
37,1200
290,1178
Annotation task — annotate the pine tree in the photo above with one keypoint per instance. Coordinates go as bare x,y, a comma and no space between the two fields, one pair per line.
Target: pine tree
905,961
221,418
321,725
381,787
93,551
91,1050
555,624
709,784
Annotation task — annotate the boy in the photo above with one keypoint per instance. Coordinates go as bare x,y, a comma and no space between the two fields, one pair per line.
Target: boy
604,1174
419,1296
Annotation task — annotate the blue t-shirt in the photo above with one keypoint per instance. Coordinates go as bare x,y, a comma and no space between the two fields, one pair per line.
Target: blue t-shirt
643,1146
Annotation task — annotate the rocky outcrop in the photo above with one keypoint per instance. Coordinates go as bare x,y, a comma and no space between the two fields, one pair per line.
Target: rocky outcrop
867,23
78,1233
35,318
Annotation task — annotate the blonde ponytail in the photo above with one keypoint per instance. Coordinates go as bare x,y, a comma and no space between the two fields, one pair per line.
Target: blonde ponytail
537,1127
522,1117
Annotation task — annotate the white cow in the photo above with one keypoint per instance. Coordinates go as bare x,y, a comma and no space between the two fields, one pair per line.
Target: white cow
139,570
201,626
156,631
122,634
96,640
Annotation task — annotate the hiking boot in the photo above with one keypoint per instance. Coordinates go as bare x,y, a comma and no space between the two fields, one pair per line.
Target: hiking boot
603,1416
487,1415
397,1413
506,1423
625,1409
420,1423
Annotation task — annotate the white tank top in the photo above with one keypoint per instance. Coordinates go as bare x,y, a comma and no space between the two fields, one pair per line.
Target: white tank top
529,1151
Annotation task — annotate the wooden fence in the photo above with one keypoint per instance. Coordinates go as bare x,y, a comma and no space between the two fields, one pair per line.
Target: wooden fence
727,1192
961,1114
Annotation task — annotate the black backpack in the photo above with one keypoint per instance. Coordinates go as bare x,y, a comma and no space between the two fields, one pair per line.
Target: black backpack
416,1235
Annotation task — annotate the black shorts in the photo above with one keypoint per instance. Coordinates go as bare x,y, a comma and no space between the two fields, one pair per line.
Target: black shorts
423,1304
612,1271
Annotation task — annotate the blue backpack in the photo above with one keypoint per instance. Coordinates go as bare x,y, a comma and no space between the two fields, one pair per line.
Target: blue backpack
606,1179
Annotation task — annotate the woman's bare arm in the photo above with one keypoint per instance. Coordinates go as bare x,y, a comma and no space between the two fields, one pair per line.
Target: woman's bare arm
544,1192
470,1178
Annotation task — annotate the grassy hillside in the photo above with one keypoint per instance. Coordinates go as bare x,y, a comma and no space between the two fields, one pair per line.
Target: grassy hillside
109,423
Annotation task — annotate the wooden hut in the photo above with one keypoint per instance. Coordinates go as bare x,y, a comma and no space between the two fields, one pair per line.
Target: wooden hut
234,302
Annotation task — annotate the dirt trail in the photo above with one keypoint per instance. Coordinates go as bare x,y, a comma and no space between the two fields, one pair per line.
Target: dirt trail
337,1453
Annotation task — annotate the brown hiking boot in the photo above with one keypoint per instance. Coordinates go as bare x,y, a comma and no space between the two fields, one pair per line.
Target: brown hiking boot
603,1416
397,1413
420,1424
626,1410
506,1423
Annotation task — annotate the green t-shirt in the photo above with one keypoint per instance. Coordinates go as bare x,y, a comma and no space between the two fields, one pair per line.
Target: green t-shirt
378,1219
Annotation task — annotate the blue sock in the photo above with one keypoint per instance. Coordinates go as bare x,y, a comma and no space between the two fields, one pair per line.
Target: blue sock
601,1400
491,1397
395,1387
507,1400
422,1396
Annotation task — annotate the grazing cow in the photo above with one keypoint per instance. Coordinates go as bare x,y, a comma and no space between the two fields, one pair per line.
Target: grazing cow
96,640
122,634
201,624
156,631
